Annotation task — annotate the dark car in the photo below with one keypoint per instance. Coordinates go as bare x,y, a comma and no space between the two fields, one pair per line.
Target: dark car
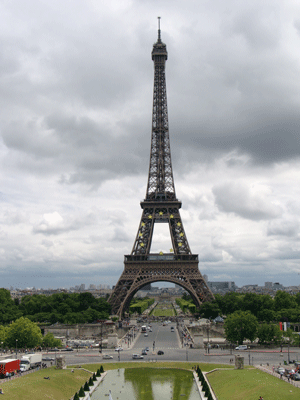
47,358
147,348
144,352
296,377
160,353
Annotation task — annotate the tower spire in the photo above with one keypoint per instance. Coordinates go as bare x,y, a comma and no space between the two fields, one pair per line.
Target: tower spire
159,36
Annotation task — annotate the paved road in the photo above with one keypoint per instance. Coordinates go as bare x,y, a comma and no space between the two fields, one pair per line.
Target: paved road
170,343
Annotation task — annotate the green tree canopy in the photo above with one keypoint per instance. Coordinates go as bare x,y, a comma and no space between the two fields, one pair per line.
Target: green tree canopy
23,333
269,333
50,341
239,326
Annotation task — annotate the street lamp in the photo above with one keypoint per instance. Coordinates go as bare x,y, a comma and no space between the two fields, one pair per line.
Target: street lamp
16,347
1,348
249,355
207,337
119,354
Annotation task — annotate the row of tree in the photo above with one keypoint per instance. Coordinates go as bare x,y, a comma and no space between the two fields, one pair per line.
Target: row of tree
282,307
61,307
243,325
138,306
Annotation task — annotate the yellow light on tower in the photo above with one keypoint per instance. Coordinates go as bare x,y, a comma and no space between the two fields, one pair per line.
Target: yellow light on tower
171,250
161,213
150,216
142,245
181,234
171,216
180,244
178,224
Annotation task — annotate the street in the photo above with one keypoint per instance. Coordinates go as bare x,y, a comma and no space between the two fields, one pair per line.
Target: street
161,338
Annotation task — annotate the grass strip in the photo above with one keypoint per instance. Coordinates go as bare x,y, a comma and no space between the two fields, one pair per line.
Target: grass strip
249,384
62,385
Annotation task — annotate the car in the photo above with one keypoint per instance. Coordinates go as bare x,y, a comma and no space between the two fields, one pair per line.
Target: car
107,357
295,377
69,349
118,349
160,353
137,356
47,358
147,348
144,352
242,347
280,370
146,334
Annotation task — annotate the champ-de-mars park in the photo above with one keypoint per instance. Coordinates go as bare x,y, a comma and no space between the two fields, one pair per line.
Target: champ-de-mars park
193,345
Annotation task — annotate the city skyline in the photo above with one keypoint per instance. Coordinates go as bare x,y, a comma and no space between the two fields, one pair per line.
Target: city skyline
76,100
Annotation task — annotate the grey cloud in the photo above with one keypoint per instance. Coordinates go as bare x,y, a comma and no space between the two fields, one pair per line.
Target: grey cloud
235,197
283,228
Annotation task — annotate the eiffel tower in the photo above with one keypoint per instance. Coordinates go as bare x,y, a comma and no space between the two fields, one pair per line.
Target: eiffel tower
161,205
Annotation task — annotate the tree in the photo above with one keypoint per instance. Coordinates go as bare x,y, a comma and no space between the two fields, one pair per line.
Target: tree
284,300
268,333
50,341
210,309
239,326
24,333
230,302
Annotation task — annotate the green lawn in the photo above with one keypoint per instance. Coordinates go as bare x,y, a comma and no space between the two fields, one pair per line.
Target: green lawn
249,384
228,384
62,385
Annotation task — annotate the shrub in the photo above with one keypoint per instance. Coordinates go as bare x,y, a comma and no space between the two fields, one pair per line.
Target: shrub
76,397
91,383
101,369
81,392
86,387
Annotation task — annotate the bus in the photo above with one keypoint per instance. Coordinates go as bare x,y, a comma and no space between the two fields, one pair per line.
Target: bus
144,329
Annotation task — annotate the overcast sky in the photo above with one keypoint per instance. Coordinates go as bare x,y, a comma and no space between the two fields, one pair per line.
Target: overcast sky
76,83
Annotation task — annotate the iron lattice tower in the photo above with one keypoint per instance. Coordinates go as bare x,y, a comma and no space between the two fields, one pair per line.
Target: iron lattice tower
160,206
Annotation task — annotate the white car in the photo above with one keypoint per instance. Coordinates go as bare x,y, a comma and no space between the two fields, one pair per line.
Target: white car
107,357
136,356
118,349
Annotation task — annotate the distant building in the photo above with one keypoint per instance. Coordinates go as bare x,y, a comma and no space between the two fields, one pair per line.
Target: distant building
222,286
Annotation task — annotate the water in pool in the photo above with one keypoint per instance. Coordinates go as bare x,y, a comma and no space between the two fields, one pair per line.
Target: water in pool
147,384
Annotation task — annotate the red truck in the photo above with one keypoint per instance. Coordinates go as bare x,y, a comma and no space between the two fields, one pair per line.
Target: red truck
9,366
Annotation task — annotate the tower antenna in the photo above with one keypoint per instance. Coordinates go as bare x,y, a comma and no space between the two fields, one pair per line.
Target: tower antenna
159,38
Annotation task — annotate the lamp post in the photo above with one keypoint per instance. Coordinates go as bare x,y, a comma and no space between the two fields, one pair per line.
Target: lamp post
1,348
249,355
119,354
207,338
16,347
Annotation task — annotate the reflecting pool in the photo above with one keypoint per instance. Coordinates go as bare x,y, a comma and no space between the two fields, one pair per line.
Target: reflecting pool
147,384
